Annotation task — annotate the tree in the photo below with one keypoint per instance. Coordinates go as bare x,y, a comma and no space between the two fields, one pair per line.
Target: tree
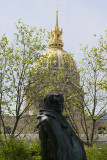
84,104
48,78
18,59
3,74
94,82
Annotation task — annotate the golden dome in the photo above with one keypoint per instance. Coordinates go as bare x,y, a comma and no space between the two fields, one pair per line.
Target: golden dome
55,71
55,57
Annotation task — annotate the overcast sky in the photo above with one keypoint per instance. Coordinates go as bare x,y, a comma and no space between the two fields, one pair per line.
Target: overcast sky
80,19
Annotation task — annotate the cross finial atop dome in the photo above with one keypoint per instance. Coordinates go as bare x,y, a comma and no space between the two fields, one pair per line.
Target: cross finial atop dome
56,40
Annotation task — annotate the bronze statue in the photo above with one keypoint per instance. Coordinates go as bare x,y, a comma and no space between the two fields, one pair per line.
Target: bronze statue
58,140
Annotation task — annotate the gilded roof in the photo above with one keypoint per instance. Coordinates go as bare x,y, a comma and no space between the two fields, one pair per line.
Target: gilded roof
55,57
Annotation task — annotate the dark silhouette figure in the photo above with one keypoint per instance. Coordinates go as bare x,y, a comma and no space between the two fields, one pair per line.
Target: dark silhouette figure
58,140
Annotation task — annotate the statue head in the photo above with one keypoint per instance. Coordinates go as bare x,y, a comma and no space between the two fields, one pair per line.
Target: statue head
54,102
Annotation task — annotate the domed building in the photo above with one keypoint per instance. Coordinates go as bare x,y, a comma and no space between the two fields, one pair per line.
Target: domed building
55,72
55,57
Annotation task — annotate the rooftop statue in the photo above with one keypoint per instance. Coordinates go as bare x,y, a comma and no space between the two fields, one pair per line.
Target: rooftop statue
58,140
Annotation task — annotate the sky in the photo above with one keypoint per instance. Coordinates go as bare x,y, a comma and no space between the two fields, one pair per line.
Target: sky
79,19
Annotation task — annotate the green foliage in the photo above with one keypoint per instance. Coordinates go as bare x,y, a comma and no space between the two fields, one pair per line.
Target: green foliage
48,77
104,153
96,153
92,153
35,150
15,149
93,79
16,62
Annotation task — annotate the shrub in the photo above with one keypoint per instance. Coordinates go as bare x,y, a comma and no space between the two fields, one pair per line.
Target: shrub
96,153
92,153
103,155
14,149
17,149
35,150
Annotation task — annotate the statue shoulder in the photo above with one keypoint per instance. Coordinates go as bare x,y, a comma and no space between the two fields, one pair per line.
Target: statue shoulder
46,120
41,119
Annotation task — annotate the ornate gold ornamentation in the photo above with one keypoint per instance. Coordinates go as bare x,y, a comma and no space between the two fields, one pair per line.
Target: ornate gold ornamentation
56,39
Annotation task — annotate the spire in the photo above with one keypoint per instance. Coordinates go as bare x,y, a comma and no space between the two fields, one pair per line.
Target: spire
56,40
56,17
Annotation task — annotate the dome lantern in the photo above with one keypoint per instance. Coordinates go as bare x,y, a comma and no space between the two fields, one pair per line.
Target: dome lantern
56,39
